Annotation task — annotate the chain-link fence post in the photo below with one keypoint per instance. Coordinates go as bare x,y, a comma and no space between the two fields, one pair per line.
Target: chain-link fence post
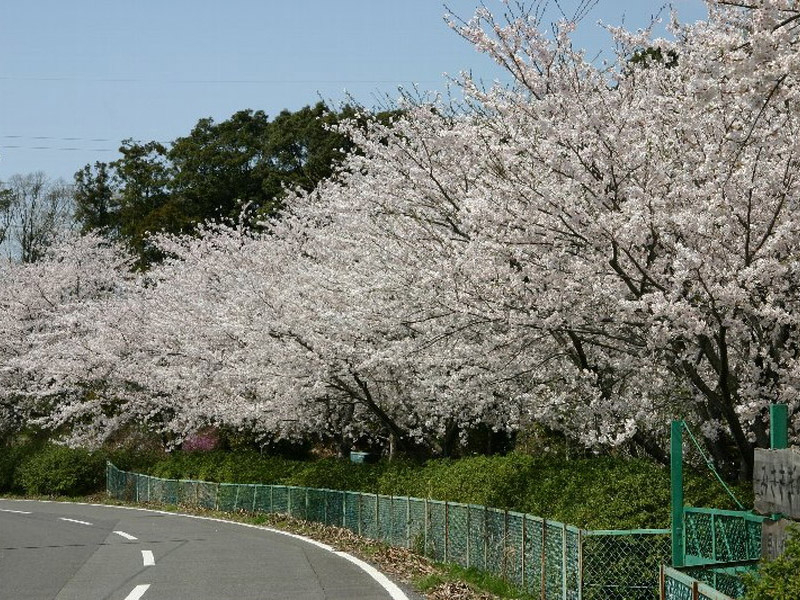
504,560
446,529
408,522
377,517
469,536
544,559
391,520
580,564
360,505
522,551
426,525
564,565
485,538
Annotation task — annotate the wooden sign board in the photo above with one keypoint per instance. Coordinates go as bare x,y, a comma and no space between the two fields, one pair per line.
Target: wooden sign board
773,537
776,482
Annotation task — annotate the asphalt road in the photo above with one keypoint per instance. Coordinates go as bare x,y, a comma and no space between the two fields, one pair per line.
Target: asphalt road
64,551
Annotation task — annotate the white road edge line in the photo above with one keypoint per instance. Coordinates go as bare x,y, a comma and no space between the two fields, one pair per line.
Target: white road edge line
18,512
127,536
138,592
75,521
394,592
148,559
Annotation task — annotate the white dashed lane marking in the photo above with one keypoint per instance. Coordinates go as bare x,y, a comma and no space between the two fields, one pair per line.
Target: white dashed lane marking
148,560
75,521
137,592
18,512
127,536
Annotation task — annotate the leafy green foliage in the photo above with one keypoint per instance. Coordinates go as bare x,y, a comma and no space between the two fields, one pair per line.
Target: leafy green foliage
649,57
600,492
95,200
231,467
37,468
58,471
778,579
215,172
10,459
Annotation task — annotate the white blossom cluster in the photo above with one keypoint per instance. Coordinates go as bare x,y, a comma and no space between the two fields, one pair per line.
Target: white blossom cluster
598,248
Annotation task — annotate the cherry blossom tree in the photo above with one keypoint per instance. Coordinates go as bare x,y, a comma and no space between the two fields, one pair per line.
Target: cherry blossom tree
613,243
655,217
48,361
598,248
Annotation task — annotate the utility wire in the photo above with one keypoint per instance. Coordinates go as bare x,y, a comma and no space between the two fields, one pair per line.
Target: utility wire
50,137
710,465
223,81
64,148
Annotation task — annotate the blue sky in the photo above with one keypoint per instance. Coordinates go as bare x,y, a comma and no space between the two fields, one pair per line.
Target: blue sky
78,77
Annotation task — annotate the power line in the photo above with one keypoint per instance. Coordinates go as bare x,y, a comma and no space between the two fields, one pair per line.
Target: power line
50,137
223,81
64,148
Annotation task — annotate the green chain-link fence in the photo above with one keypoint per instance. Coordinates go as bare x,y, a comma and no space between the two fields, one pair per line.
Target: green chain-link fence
716,536
545,558
720,546
622,564
679,585
726,580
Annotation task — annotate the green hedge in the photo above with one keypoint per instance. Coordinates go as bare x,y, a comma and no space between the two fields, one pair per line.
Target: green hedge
599,493
37,469
60,471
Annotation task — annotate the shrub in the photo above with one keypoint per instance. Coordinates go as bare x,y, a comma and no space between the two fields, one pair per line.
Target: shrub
230,467
10,459
778,579
202,441
338,474
600,492
58,470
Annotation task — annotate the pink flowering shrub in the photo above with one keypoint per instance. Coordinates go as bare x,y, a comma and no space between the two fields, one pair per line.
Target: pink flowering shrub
201,441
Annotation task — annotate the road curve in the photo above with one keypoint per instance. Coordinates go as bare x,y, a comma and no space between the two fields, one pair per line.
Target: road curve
68,551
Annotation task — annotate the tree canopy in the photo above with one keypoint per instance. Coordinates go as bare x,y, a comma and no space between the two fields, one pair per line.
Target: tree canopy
34,212
595,249
215,172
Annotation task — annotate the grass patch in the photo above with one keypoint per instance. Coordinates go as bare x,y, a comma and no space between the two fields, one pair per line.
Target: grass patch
448,576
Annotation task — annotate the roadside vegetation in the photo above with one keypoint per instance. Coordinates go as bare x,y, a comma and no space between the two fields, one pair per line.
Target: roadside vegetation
778,579
601,492
431,283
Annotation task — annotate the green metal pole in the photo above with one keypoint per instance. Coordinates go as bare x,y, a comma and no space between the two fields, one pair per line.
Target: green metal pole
676,480
778,426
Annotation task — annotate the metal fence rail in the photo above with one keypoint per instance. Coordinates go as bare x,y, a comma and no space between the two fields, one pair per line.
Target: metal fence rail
727,580
676,585
547,559
715,537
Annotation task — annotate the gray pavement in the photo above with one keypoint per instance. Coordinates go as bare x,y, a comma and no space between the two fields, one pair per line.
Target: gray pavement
48,555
